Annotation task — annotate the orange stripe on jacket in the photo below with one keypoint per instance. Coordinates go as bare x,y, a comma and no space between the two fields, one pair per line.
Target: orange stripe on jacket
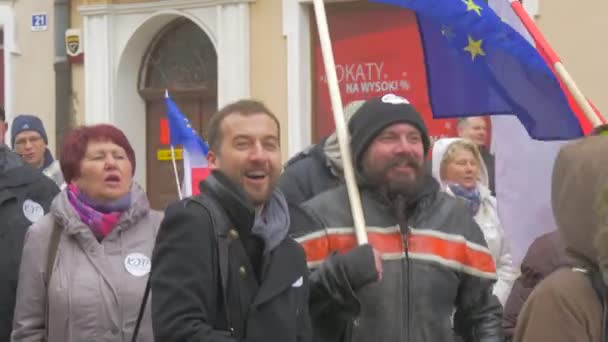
457,251
318,248
451,250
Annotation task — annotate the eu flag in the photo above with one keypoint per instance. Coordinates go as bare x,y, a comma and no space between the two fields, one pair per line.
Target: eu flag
194,148
180,129
476,64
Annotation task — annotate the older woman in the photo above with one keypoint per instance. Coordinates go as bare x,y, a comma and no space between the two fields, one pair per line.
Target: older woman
458,167
85,265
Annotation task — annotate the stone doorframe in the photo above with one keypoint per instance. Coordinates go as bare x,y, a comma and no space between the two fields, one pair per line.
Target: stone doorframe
115,38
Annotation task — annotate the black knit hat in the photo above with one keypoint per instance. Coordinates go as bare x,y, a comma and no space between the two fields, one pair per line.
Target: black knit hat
378,113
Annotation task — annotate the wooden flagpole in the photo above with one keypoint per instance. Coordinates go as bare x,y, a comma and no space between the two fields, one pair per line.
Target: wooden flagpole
341,133
179,186
559,67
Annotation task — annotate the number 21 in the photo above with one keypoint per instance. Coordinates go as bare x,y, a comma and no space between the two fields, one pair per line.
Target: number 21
39,20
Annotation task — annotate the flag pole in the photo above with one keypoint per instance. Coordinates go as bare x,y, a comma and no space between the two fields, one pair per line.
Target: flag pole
559,67
564,75
179,186
337,109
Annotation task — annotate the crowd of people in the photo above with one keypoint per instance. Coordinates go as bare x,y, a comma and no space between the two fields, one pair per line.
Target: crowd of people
268,252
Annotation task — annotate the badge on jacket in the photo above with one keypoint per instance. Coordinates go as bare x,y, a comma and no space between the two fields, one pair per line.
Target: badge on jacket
298,283
137,264
32,210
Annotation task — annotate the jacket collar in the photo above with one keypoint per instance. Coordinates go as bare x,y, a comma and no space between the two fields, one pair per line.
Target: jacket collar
18,176
48,159
232,198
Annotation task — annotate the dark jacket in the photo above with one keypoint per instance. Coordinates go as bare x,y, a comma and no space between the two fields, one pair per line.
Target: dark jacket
488,159
25,196
546,254
261,303
308,174
436,267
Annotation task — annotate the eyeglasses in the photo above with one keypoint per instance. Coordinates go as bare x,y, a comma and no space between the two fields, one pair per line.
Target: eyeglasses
23,141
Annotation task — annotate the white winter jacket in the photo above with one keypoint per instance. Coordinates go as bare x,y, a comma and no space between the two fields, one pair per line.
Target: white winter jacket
488,220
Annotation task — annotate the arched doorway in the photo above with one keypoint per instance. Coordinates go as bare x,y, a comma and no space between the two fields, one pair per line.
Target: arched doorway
182,59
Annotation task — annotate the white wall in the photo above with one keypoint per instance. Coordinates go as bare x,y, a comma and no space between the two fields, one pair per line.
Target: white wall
116,38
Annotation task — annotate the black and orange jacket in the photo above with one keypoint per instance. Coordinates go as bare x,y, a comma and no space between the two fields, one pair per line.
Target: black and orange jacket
437,272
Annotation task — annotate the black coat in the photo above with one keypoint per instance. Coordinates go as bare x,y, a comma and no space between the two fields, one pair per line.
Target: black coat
187,299
307,174
22,189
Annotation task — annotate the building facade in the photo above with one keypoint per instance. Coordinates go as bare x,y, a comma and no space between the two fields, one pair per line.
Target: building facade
207,53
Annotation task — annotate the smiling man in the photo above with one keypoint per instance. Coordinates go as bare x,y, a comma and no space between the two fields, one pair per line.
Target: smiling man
29,140
435,274
224,268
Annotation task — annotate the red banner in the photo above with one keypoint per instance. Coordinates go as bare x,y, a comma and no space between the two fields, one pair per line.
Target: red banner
377,51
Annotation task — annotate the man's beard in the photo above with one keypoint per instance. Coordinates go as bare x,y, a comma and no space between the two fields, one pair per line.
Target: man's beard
392,188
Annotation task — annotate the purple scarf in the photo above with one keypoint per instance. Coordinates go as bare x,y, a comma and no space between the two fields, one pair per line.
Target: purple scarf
472,197
101,218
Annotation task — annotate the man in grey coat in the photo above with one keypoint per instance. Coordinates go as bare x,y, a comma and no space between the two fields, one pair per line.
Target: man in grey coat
317,168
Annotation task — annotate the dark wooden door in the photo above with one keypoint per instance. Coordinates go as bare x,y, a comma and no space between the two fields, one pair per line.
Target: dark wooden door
182,59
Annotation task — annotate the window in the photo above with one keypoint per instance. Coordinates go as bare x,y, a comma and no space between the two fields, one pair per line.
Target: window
181,57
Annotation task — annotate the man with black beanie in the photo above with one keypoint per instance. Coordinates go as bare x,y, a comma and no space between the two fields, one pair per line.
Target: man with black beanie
435,275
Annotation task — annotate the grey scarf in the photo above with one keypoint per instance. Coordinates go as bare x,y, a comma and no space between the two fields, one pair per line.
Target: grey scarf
272,223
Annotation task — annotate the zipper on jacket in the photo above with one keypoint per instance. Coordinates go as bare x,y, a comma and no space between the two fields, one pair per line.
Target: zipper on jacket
407,277
408,287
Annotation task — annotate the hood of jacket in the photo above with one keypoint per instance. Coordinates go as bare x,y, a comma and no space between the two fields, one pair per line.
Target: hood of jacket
70,221
545,255
8,159
440,148
579,198
13,171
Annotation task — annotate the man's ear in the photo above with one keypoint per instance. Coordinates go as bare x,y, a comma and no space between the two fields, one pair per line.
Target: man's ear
213,160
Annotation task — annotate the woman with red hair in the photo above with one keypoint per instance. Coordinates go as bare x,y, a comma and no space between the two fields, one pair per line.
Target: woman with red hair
85,265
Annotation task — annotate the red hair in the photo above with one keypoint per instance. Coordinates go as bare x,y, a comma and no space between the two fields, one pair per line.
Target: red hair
76,142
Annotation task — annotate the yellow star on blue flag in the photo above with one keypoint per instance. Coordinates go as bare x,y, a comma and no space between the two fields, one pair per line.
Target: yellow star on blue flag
472,6
474,48
476,64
